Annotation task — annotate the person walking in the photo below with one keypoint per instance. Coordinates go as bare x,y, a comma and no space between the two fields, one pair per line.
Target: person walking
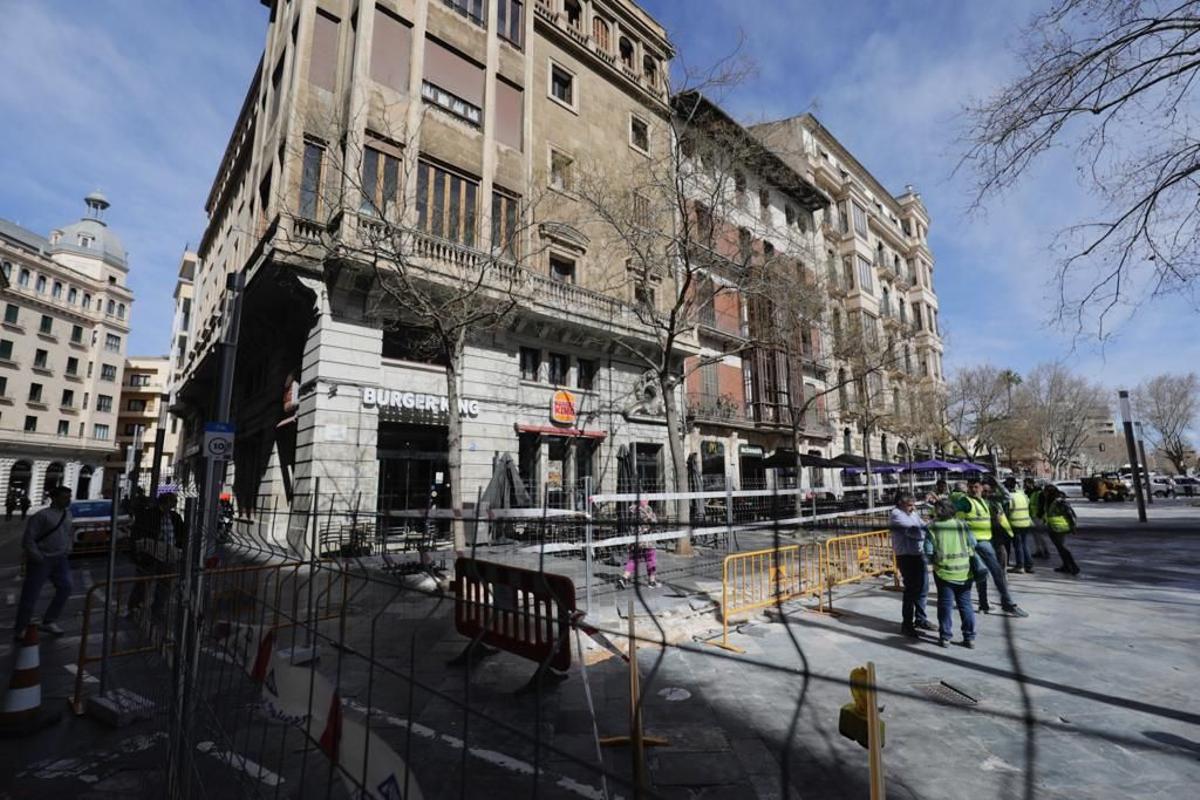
1036,504
1060,520
163,526
1021,522
10,504
908,543
23,503
46,544
644,552
975,511
950,546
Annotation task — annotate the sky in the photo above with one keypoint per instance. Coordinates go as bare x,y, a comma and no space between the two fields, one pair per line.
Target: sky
137,98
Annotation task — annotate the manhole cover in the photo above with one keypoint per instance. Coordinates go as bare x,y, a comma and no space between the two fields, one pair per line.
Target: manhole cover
945,693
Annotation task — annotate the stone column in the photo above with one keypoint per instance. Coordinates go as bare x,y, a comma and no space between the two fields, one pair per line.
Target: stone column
335,433
36,482
6,465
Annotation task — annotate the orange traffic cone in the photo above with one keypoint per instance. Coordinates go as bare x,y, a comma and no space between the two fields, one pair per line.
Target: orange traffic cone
23,712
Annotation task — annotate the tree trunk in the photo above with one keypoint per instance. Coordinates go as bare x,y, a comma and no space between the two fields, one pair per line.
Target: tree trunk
666,384
454,442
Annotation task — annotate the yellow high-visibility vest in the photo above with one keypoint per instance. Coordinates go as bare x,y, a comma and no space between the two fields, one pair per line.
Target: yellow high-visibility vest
979,519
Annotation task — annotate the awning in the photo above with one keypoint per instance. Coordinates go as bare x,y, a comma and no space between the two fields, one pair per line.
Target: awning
786,459
554,430
852,461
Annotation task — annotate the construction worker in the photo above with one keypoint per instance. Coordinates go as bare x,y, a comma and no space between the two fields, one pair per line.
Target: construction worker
1002,533
908,543
1021,521
974,510
1060,520
1036,504
950,546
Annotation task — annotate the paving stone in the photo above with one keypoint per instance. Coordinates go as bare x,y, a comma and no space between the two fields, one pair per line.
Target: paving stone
685,769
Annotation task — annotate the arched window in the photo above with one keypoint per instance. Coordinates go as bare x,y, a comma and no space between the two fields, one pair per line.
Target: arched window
883,446
650,71
87,301
846,441
8,269
120,311
40,286
626,48
23,278
72,295
56,292
600,33
112,306
574,13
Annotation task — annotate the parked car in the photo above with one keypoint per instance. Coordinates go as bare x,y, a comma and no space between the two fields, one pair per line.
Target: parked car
1070,489
92,524
1186,486
1162,486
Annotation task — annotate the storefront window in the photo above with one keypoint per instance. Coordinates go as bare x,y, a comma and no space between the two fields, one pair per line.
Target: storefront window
648,466
712,465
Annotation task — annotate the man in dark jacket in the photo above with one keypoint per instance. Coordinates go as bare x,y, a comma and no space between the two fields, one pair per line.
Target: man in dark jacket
159,535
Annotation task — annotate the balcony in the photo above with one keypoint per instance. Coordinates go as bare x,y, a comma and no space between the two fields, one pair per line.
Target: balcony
836,285
450,263
818,425
720,323
66,441
707,407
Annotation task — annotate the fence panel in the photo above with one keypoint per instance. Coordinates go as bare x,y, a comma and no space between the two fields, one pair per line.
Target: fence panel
858,556
762,578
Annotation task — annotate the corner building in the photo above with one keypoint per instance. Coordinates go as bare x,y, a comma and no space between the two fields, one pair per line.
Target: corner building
467,120
66,309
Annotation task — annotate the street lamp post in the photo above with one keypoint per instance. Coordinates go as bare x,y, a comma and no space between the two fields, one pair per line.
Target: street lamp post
1141,443
1127,421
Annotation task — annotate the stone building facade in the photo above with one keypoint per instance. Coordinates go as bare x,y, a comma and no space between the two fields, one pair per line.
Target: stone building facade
139,413
460,129
880,275
67,311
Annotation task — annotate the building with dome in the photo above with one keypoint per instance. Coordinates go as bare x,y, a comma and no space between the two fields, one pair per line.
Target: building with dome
66,311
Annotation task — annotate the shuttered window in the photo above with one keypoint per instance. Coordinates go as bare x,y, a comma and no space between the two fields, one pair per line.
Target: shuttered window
510,114
446,203
453,82
322,66
391,47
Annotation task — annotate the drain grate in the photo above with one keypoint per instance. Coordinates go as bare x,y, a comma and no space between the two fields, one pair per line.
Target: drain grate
945,693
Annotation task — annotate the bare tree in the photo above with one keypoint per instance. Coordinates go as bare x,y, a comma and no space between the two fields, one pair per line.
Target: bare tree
1168,406
689,250
978,409
1114,81
1059,407
436,276
918,417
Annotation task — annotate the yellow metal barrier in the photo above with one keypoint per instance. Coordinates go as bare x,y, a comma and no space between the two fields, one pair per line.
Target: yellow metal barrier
852,558
762,578
231,591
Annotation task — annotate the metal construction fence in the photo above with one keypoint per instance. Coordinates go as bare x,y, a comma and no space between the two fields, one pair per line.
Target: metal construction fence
336,652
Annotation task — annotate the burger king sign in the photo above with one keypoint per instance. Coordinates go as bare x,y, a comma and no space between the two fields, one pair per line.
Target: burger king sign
562,408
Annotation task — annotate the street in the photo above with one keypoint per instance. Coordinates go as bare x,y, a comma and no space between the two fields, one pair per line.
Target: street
1090,697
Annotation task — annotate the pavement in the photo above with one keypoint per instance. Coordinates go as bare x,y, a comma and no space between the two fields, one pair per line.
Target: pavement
1091,696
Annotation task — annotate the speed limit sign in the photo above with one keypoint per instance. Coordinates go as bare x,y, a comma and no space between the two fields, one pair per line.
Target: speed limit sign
218,441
